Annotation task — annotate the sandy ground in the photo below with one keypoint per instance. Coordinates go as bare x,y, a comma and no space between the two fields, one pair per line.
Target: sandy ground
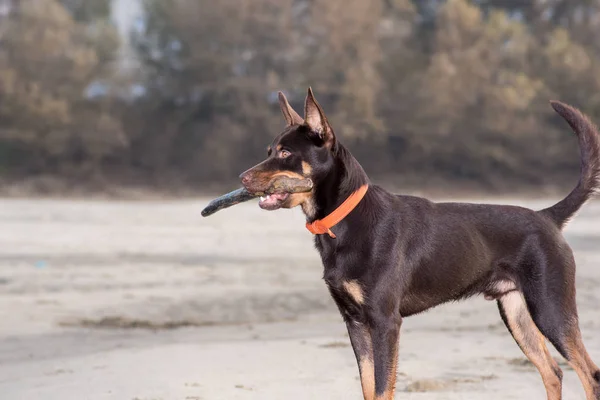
148,300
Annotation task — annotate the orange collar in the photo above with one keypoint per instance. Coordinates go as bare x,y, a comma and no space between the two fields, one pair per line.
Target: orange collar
324,225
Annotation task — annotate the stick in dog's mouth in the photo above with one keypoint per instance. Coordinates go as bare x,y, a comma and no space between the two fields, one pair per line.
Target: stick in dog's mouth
278,187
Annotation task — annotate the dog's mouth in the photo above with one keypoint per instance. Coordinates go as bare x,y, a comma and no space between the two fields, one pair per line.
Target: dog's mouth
272,201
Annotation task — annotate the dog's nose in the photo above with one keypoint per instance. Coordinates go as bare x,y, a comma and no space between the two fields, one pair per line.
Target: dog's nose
245,178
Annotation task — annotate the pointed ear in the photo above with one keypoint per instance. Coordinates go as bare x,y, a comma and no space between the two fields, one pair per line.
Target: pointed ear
315,119
291,116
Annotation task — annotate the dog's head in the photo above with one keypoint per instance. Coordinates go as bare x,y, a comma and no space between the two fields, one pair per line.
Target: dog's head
303,150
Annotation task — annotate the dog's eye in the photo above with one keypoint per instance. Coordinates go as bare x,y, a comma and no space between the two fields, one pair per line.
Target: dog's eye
284,154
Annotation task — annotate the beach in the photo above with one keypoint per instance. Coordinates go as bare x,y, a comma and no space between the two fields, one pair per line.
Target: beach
147,300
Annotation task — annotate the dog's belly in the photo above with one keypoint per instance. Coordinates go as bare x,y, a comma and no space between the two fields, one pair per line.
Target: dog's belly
457,260
440,279
475,269
414,302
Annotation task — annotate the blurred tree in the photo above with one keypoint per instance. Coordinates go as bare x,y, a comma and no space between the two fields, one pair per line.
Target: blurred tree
400,77
478,97
339,57
47,61
454,88
88,11
211,69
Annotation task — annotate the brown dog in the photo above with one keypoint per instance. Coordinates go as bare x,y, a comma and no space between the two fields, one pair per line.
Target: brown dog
387,257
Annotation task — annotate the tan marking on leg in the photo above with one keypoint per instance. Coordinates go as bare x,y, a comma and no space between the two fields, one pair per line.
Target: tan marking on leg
367,378
306,168
360,337
594,370
354,290
391,383
581,362
532,342
390,389
389,392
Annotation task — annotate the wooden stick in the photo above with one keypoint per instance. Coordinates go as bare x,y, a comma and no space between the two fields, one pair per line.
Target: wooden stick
284,184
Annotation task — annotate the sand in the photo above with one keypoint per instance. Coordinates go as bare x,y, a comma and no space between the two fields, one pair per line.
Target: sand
148,300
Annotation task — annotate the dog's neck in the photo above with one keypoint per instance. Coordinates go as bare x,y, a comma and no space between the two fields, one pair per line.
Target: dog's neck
345,177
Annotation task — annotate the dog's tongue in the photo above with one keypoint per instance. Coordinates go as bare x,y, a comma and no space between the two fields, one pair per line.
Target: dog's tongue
272,200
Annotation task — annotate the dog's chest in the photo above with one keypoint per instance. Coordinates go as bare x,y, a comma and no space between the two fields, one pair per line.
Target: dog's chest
344,270
349,296
347,291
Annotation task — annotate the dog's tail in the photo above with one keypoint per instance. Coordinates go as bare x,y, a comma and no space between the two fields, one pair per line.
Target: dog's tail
589,178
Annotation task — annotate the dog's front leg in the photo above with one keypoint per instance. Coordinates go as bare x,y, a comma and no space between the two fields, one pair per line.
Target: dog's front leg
360,337
385,332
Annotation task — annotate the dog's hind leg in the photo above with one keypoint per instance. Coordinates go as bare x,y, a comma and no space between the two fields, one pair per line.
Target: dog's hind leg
360,337
550,296
580,360
520,324
563,332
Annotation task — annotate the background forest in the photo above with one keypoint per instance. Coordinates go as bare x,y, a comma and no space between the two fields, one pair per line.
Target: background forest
421,91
